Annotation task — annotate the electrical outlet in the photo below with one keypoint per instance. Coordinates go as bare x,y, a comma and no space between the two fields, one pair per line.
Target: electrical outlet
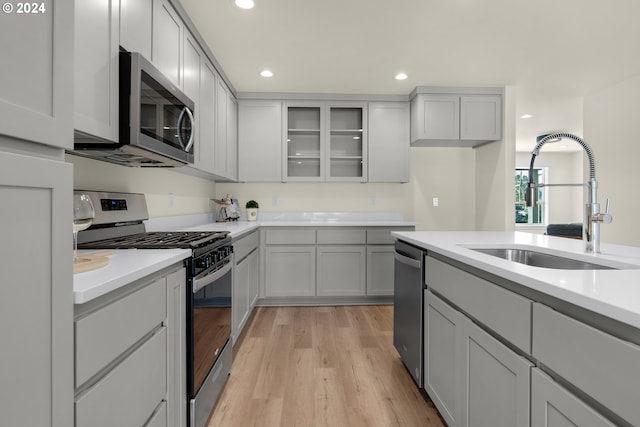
436,202
274,201
170,200
372,200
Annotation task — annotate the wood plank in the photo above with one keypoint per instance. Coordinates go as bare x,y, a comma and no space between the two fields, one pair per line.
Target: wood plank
321,366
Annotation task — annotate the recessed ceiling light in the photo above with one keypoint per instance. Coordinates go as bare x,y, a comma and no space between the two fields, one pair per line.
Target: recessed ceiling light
526,116
266,73
401,76
245,4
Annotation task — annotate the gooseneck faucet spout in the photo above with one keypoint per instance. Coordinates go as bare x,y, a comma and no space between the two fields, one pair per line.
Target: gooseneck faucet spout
592,215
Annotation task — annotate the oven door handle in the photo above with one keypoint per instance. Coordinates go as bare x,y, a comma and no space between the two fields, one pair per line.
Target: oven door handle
210,278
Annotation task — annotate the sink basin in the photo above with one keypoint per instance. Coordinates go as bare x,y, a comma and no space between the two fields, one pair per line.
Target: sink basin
540,259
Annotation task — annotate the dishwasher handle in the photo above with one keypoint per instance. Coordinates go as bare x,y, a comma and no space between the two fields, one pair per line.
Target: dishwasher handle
415,263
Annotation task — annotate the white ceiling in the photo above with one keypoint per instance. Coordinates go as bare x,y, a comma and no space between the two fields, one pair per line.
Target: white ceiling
553,51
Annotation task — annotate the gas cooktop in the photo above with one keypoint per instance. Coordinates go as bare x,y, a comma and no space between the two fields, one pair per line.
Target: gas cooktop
160,240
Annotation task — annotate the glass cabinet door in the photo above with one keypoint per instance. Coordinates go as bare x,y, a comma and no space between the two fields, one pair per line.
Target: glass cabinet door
347,144
304,147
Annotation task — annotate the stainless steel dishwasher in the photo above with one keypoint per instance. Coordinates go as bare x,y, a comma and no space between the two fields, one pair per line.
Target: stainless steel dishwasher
408,306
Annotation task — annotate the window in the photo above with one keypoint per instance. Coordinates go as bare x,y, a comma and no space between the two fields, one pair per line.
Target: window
534,215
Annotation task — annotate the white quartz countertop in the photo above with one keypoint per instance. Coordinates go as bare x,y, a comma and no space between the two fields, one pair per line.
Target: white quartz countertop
128,265
612,293
125,266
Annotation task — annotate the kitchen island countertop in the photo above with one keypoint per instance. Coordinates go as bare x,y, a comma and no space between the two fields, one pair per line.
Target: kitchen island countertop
612,293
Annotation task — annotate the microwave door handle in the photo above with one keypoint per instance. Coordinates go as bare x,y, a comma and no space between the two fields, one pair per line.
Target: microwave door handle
180,120
193,130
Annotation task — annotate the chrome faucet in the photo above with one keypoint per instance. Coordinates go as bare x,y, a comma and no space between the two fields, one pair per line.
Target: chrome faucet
592,215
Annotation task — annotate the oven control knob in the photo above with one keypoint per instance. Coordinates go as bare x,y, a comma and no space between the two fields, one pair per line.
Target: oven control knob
201,263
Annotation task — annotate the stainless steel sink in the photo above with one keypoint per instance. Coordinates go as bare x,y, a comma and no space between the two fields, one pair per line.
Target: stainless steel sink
540,259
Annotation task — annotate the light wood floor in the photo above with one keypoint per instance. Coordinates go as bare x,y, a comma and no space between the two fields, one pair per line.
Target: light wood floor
321,366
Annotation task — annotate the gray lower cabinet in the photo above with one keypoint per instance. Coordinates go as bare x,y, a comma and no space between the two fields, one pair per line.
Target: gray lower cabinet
245,281
495,381
36,298
130,354
472,378
554,406
176,323
341,270
600,365
290,271
380,268
442,356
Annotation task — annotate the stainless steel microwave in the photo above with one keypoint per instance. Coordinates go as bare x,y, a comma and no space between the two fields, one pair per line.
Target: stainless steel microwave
157,128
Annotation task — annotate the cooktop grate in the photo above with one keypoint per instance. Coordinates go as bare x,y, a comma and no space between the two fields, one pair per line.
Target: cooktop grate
159,240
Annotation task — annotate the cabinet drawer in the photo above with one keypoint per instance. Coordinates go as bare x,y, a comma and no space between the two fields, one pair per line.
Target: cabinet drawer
503,311
291,237
106,333
245,245
342,237
601,365
130,393
382,236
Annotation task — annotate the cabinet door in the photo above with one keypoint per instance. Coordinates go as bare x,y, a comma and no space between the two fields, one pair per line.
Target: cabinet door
346,151
341,270
240,300
254,278
442,357
191,87
436,117
136,26
389,142
380,265
553,406
232,137
167,50
290,271
176,349
37,75
97,68
303,147
207,114
220,148
260,141
36,298
481,117
495,381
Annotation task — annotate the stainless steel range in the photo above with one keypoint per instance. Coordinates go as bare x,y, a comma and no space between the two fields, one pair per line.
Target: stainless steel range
118,224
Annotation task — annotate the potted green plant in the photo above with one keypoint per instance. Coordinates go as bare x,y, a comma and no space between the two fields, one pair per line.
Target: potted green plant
252,210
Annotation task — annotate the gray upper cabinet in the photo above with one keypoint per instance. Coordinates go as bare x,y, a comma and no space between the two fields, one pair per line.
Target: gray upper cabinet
389,141
136,26
259,140
225,155
167,49
97,69
347,142
206,112
36,82
455,117
303,141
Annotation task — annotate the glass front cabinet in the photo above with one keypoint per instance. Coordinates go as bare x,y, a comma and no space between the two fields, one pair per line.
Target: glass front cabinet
325,141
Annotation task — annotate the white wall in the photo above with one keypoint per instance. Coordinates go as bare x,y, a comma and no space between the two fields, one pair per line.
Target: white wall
446,173
190,194
494,185
612,129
